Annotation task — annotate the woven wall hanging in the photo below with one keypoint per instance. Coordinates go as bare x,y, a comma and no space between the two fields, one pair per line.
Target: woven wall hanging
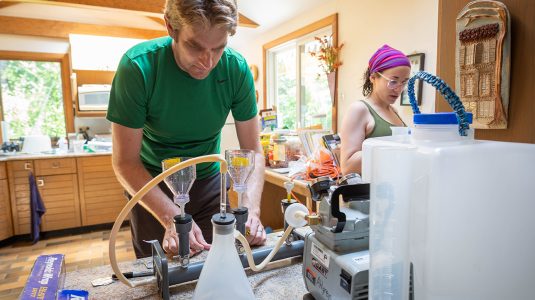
482,56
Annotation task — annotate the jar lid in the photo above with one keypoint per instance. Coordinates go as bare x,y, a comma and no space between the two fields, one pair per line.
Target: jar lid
440,118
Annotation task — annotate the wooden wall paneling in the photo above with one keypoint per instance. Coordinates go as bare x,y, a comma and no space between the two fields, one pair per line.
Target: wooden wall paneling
521,107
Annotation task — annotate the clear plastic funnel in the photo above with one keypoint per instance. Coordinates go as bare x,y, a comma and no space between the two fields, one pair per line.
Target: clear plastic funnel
240,167
179,182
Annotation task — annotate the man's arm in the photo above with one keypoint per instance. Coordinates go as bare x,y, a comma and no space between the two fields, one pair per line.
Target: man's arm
249,138
133,176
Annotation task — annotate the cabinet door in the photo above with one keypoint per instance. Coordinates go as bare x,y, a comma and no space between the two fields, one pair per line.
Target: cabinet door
101,194
19,190
60,196
6,226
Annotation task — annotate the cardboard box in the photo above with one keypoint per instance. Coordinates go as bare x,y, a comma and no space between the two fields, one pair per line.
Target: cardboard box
46,278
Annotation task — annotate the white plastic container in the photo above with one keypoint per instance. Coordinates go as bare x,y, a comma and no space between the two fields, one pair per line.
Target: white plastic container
36,144
466,208
223,276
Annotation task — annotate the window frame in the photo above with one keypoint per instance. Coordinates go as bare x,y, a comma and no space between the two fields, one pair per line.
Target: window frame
331,21
64,61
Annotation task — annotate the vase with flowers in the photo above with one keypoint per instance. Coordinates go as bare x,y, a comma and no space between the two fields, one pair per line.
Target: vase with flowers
328,56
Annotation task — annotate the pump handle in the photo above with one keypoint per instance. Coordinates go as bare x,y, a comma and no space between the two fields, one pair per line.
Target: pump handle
351,192
451,97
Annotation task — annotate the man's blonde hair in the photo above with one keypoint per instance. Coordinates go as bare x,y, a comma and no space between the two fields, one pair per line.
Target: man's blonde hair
206,13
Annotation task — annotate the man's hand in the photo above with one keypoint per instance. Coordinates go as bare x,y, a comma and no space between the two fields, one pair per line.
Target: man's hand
196,240
257,234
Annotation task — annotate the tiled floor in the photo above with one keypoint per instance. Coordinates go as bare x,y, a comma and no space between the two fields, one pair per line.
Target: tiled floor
81,251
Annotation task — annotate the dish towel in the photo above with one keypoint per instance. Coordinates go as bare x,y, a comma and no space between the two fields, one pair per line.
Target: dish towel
37,208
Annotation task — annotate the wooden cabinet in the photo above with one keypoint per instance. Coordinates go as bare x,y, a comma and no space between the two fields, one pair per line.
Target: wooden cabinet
19,190
57,182
6,225
75,191
101,195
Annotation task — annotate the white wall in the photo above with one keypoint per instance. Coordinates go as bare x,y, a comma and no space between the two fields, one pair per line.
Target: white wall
363,26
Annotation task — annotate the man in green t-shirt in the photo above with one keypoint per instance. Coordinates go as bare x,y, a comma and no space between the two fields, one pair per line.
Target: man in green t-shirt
170,98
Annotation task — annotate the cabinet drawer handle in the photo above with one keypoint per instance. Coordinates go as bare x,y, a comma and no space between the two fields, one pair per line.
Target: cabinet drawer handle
27,166
55,165
40,182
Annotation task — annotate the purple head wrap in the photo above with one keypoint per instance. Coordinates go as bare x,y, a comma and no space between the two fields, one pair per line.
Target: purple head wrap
387,57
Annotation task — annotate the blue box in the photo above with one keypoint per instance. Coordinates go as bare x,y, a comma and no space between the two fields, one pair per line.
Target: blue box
46,278
73,295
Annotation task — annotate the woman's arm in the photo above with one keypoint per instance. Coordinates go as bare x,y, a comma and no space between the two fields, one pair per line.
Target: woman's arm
352,135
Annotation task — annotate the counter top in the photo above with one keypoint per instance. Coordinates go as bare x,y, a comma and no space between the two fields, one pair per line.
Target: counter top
280,280
25,156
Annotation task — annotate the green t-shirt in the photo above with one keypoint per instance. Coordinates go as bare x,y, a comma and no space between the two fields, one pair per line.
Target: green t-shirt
180,115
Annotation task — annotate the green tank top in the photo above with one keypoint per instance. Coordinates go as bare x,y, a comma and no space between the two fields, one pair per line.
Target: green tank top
382,127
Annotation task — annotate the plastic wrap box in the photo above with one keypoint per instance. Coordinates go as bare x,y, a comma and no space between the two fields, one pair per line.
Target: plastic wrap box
73,295
46,278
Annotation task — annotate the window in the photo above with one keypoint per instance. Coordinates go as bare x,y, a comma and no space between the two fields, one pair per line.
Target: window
31,98
35,94
294,82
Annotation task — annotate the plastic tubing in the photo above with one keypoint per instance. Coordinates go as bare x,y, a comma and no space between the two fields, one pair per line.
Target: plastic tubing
249,253
137,197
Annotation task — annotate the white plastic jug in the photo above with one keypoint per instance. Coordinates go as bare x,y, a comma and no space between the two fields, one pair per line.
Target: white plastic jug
459,210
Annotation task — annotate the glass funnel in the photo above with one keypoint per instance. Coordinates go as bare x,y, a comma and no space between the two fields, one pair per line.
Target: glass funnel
179,182
240,167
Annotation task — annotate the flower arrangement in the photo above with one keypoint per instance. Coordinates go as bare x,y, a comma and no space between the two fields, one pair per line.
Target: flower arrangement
328,54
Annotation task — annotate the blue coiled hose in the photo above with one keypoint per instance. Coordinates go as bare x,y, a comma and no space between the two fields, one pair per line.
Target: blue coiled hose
453,100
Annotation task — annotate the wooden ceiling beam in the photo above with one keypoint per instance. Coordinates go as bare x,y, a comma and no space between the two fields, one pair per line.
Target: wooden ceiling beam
4,4
151,8
60,29
246,22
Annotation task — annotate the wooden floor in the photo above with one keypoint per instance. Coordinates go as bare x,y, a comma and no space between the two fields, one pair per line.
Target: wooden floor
81,251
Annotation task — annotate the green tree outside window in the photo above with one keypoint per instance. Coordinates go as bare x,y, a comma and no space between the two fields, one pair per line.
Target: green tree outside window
32,98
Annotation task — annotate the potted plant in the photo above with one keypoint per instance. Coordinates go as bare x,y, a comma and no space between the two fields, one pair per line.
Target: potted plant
328,56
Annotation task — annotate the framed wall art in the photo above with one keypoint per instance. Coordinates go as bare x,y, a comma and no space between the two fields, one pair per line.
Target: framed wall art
417,64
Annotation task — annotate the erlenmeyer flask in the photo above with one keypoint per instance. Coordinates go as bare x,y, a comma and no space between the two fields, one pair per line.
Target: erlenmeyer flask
179,182
223,276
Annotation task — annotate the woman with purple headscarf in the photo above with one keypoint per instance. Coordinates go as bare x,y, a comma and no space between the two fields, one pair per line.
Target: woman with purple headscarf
387,74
